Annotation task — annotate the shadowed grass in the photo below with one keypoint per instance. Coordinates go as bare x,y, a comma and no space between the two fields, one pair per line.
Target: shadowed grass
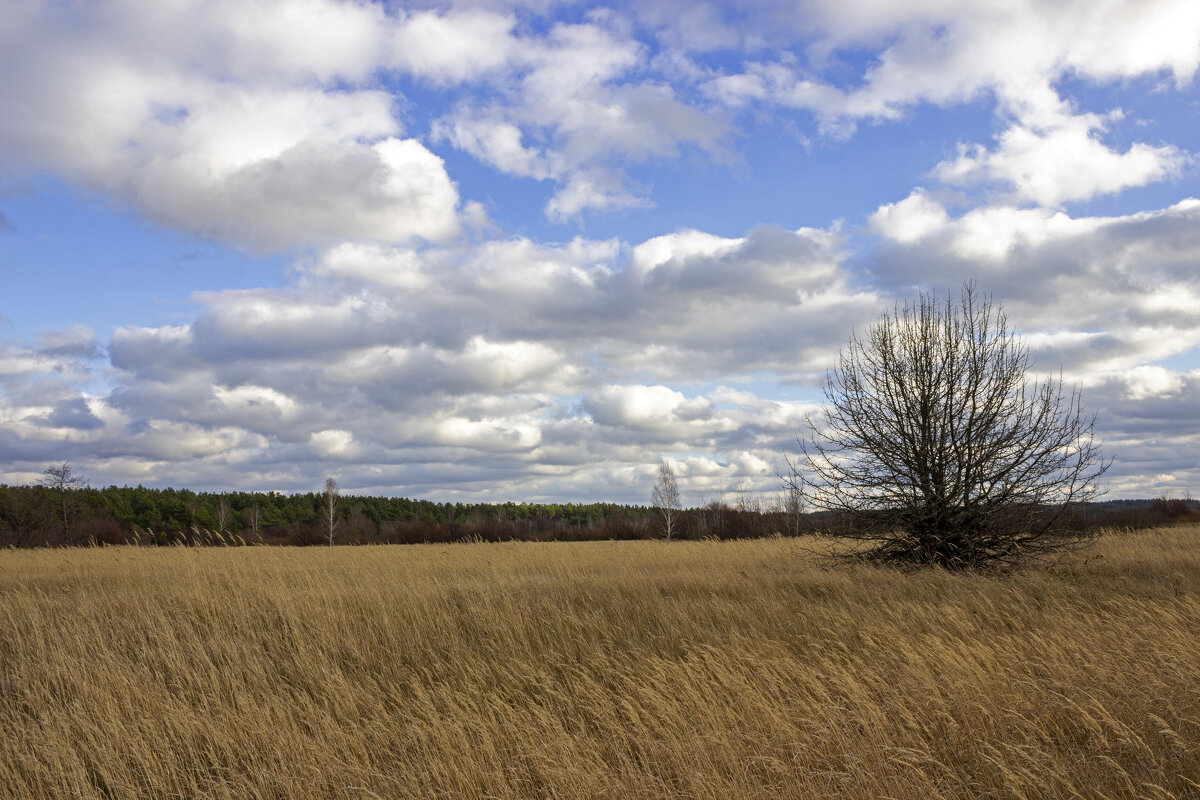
635,669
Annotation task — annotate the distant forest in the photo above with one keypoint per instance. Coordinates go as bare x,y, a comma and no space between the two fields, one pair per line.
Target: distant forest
38,516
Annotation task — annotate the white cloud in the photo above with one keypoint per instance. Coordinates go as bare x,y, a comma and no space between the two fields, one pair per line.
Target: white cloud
651,408
951,53
419,351
993,234
910,219
1152,381
334,444
571,110
271,123
393,191
1061,161
943,53
454,47
488,435
390,266
259,126
499,143
595,190
350,372
275,122
1086,273
257,407
679,246
514,371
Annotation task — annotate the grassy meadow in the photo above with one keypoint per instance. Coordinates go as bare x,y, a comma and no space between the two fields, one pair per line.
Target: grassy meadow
745,669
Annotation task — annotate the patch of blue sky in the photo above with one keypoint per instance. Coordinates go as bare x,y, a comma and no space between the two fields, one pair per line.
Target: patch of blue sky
1188,361
782,174
75,258
1155,112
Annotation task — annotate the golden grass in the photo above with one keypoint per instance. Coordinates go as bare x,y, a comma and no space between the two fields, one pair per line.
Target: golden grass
620,670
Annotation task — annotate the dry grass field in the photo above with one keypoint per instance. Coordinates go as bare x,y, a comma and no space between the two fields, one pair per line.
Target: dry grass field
742,669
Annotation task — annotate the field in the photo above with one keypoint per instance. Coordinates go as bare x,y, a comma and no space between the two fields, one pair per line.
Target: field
747,669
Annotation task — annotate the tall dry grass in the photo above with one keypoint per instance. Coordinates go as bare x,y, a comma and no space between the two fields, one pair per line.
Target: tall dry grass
623,670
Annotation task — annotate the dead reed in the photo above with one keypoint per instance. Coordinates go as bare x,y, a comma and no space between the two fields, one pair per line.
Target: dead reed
741,669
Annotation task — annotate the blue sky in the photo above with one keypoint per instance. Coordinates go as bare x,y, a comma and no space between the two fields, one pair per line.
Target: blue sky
525,250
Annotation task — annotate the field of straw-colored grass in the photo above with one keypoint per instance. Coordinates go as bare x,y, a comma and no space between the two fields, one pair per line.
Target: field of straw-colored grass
616,669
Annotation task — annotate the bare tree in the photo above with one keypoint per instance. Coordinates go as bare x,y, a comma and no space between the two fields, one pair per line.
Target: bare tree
63,480
709,518
936,448
793,508
745,502
223,516
330,518
665,498
254,518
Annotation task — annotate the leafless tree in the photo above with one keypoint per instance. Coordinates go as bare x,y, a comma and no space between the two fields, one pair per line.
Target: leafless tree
223,516
254,518
792,503
665,498
63,480
330,519
710,517
745,502
935,448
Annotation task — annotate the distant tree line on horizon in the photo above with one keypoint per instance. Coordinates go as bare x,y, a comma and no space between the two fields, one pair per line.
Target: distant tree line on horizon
77,515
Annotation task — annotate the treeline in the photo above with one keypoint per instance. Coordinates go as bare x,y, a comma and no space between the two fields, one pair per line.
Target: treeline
38,516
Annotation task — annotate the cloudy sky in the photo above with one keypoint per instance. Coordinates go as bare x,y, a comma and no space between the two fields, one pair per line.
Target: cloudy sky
488,251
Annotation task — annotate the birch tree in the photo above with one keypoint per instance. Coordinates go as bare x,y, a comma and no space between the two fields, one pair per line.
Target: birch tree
330,518
665,498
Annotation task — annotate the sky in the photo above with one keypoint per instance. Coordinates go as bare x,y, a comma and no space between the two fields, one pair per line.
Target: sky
488,251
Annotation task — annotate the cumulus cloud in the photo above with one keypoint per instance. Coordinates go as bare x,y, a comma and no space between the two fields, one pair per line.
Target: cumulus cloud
539,371
571,110
455,47
277,123
1048,152
259,124
269,123
1152,381
72,413
1121,283
596,190
417,351
946,53
1061,161
500,143
317,193
1148,421
1107,299
520,362
909,219
656,409
76,340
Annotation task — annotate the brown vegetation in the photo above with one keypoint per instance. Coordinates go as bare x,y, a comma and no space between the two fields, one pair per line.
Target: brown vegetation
742,669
